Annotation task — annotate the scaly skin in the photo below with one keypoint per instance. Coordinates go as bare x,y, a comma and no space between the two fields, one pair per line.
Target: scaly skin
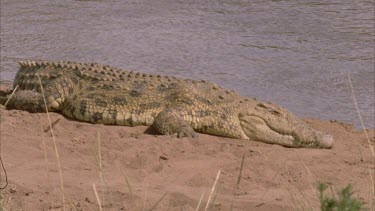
107,95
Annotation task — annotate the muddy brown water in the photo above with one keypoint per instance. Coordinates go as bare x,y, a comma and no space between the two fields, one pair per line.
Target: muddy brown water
295,53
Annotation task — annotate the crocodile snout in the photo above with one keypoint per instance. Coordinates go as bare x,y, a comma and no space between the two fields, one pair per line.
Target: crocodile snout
327,141
308,137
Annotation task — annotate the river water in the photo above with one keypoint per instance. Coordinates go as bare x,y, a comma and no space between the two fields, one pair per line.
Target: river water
295,53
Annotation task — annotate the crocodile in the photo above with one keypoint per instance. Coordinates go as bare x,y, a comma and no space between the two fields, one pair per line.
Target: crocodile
102,94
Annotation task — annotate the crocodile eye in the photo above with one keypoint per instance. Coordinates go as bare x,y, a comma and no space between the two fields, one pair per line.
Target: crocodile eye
277,113
261,105
271,109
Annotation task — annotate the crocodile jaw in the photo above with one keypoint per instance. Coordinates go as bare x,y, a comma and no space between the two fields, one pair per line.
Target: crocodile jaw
300,136
308,137
272,124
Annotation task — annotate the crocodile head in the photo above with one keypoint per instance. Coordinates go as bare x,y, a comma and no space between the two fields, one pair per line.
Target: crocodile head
271,124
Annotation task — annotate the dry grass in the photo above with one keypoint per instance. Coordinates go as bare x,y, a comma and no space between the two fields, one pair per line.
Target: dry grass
372,191
4,206
297,203
128,185
298,197
212,190
54,144
372,202
100,165
359,115
200,202
215,196
312,180
240,174
158,201
97,197
146,193
239,178
99,162
44,153
11,95
52,125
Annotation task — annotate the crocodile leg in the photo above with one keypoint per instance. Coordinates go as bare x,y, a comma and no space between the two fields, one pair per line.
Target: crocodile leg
170,121
27,100
30,97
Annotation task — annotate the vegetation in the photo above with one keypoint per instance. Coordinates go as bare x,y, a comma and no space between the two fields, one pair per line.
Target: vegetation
344,201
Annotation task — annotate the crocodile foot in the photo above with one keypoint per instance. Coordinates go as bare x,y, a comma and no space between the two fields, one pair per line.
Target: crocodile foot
170,121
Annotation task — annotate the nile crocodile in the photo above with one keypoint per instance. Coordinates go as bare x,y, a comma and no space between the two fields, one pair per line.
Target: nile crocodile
102,94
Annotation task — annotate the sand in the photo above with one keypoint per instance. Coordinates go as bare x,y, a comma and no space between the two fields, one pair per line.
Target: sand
142,170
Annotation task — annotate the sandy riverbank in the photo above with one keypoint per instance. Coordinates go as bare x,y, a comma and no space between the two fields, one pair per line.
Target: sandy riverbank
273,177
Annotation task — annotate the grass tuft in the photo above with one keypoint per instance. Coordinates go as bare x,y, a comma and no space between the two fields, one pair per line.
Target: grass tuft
344,201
